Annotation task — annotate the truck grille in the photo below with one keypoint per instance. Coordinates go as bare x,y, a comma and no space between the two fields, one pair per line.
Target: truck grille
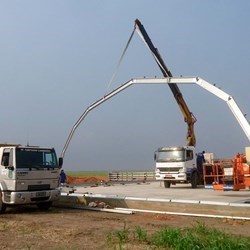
38,187
169,169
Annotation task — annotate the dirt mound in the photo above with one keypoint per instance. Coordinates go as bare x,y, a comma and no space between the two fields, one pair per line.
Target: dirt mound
86,179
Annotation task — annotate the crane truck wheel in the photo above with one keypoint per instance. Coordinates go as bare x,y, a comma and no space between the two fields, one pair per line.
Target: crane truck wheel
2,205
44,206
167,184
194,179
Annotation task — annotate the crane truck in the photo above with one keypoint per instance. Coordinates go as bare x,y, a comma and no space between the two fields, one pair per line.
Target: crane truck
28,175
177,164
174,164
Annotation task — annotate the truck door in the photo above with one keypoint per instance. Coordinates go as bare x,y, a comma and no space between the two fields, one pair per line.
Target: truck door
7,164
190,161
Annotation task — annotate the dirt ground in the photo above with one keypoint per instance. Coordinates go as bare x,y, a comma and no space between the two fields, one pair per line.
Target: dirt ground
72,180
60,228
28,228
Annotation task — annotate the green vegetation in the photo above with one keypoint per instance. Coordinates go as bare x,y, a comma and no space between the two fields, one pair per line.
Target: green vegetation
197,237
86,173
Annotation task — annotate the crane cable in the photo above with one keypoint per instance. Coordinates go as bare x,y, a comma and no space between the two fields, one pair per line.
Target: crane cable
121,58
87,110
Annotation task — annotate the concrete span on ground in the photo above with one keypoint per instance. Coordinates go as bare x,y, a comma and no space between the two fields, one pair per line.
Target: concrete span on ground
152,196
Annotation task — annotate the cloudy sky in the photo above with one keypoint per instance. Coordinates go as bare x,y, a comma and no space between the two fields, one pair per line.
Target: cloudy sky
58,56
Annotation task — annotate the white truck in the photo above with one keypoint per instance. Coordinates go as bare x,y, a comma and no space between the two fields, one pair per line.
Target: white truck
28,175
177,165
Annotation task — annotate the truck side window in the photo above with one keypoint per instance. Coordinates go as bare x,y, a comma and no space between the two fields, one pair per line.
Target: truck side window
5,159
189,155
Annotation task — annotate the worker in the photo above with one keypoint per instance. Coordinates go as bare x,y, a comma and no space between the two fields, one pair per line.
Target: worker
63,177
199,161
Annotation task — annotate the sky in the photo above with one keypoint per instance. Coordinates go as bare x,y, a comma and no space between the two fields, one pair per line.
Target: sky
58,56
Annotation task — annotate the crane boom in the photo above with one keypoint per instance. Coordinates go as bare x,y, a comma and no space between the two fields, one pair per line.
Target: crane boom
188,116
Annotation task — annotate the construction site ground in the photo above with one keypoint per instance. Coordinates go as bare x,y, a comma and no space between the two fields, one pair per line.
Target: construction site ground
71,228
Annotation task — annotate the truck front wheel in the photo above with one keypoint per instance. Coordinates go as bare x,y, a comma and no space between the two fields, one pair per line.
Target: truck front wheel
167,184
2,205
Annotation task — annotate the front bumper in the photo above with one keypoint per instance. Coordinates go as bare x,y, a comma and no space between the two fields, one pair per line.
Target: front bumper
30,197
171,177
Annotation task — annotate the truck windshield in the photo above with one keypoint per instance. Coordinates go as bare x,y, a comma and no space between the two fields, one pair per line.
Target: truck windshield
170,156
35,158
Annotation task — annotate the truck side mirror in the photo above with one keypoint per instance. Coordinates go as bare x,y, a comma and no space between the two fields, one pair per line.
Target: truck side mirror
60,162
11,168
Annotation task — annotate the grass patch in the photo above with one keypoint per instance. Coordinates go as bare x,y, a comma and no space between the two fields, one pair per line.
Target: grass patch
3,226
198,236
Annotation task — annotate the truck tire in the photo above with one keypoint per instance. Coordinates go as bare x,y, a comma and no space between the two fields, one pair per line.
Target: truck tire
167,184
2,205
44,206
194,179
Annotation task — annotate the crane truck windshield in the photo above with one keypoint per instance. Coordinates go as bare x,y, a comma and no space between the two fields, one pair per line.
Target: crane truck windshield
38,158
170,155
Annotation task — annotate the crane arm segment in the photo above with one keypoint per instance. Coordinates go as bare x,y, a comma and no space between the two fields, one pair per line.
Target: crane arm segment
238,114
170,81
188,116
91,107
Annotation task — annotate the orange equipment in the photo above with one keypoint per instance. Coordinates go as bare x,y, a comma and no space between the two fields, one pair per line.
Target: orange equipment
232,174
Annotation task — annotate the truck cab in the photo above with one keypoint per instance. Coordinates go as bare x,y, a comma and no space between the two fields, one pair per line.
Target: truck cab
28,175
177,165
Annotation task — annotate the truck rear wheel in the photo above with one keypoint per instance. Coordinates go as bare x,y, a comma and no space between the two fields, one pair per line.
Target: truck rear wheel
44,206
2,205
167,184
194,179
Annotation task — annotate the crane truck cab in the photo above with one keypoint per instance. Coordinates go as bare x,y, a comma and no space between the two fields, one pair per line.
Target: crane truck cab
177,165
28,175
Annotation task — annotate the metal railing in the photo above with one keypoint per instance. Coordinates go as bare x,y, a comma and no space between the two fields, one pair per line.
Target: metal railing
131,176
